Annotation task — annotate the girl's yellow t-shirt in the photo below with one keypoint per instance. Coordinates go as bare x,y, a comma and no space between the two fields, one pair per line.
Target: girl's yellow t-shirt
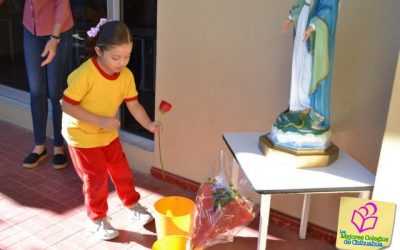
99,93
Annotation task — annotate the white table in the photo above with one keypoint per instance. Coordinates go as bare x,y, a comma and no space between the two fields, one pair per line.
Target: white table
267,177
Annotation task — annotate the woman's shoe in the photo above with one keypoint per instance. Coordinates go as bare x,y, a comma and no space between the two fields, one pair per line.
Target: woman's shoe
60,161
33,159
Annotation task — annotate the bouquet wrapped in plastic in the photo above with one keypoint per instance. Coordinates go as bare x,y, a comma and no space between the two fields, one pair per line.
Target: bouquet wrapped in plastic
220,210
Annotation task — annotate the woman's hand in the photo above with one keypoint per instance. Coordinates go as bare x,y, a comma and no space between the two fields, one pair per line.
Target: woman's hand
49,51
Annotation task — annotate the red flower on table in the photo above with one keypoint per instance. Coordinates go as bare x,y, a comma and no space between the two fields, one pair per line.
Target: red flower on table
164,107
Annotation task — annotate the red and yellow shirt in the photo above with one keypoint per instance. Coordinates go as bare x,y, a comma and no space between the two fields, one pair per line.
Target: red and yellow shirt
99,93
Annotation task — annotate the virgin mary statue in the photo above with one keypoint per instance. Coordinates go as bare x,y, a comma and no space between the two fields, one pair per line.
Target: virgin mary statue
306,123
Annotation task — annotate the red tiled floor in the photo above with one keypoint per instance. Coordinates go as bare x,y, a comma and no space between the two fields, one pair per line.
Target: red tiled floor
42,208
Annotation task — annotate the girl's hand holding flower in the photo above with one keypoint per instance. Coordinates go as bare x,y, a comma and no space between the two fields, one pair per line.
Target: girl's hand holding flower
154,127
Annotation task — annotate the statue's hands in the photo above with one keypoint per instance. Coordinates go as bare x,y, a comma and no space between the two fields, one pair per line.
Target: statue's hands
307,33
285,25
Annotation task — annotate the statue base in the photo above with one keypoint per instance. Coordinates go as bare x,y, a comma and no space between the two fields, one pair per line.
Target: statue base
301,158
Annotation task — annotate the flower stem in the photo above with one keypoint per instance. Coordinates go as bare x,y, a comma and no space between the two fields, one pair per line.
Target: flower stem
159,151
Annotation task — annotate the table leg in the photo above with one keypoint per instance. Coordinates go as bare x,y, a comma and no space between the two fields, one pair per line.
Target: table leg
304,216
264,219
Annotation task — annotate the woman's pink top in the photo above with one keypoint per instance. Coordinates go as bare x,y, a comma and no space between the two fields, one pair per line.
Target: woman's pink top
41,15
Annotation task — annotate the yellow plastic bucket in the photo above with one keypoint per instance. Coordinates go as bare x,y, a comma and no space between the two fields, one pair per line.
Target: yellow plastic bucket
173,242
173,216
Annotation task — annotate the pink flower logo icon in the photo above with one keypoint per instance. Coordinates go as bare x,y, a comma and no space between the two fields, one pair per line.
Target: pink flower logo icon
364,218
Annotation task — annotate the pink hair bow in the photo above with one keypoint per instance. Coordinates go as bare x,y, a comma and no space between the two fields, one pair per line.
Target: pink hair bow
94,30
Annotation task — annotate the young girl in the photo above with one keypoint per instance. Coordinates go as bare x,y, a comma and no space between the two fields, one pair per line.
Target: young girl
90,104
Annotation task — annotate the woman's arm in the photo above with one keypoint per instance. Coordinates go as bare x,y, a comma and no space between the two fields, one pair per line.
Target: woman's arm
61,15
76,111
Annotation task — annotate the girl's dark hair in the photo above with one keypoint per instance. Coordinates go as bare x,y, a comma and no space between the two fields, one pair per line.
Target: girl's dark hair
111,33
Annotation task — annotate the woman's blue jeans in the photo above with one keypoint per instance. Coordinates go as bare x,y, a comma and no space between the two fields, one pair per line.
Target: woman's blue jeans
48,81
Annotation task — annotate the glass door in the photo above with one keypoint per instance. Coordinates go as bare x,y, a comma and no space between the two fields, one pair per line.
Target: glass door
87,14
141,17
12,62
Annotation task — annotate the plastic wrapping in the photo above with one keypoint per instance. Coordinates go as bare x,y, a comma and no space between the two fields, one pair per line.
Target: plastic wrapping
220,211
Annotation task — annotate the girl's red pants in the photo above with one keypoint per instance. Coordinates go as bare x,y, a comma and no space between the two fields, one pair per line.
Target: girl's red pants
93,166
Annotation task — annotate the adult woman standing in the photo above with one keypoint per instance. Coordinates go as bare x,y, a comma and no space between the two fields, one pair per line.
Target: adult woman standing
47,48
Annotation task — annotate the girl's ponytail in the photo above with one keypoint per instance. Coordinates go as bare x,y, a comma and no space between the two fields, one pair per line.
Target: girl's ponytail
89,48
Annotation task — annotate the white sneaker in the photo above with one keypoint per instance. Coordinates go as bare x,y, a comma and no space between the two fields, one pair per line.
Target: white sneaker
102,229
141,214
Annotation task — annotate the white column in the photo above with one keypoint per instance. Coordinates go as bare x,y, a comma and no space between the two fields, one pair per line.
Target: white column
113,9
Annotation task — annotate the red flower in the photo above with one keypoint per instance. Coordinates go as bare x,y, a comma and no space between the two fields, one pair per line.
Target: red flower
164,108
